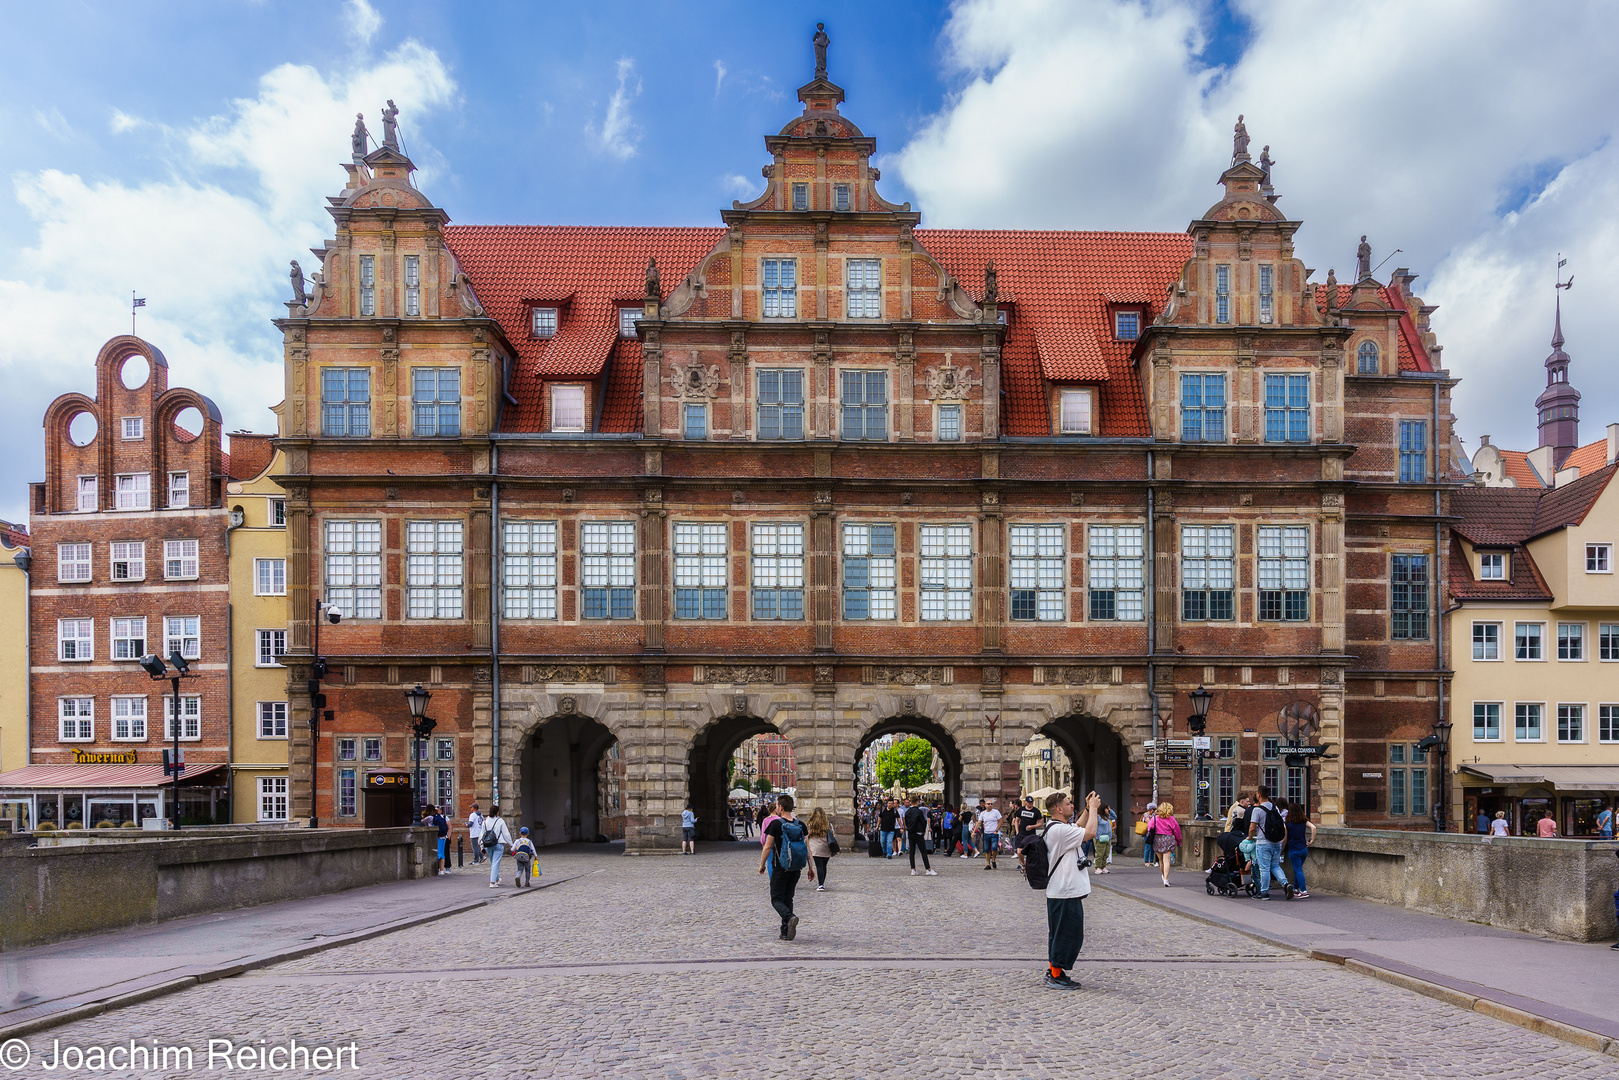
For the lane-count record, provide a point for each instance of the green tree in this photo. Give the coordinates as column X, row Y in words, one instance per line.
column 762, row 786
column 908, row 763
column 730, row 771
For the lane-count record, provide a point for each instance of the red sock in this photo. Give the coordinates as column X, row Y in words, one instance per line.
column 1056, row 972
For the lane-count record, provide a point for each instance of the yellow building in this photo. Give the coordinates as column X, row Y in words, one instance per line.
column 13, row 649
column 1045, row 765
column 1536, row 653
column 258, row 607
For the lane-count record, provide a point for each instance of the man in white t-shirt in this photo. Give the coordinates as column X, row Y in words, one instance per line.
column 991, row 818
column 475, row 833
column 1067, row 886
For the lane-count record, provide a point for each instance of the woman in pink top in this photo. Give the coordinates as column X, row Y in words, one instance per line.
column 1546, row 828
column 1165, row 837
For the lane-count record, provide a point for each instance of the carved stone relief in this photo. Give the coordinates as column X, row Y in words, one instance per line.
column 739, row 674
column 950, row 383
column 695, row 381
column 909, row 676
column 570, row 673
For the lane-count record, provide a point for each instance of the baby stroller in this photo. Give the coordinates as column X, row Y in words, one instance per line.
column 1225, row 877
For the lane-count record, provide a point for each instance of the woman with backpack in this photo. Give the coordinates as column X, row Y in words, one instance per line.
column 1165, row 834
column 820, row 843
column 496, row 839
column 786, row 851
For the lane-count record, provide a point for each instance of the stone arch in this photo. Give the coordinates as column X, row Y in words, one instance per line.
column 568, row 733
column 1101, row 760
column 710, row 748
column 909, row 720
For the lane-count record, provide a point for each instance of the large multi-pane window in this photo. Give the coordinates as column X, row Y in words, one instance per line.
column 75, row 717
column 129, row 719
column 779, row 283
column 87, row 495
column 1486, row 721
column 1202, row 408
column 179, row 490
column 778, row 571
column 1227, row 778
column 180, row 559
column 190, row 717
column 946, row 577
column 865, row 406
column 840, row 196
column 1486, row 641
column 269, row 647
column 528, row 569
column 1413, row 451
column 800, row 196
column 607, row 571
column 183, row 634
column 413, row 284
column 348, row 803
column 865, row 288
column 1208, row 572
column 1408, row 597
column 354, row 568
column 345, row 403
column 1287, row 408
column 1571, row 723
column 1038, row 572
column 1267, row 294
column 1608, row 723
column 1222, row 293
column 272, row 719
column 1284, row 572
column 1117, row 559
column 700, row 576
column 368, row 284
column 75, row 639
column 433, row 554
column 435, row 401
column 868, row 572
column 128, row 560
column 949, row 423
column 132, row 492
column 1608, row 641
column 1528, row 641
column 272, row 798
column 1366, row 359
column 129, row 638
column 73, row 562
column 781, row 403
column 1528, row 722
column 269, row 577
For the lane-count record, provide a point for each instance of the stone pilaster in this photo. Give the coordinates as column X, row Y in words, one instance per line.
column 653, row 588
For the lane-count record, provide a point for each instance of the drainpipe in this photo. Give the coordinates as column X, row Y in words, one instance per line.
column 1439, row 548
column 1152, row 616
column 24, row 559
column 494, row 618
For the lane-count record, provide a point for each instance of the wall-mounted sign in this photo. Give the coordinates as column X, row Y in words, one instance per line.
column 387, row 780
column 1371, row 776
column 103, row 757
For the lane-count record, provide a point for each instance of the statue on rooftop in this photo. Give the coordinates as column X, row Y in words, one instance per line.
column 821, row 41
column 360, row 135
column 1265, row 164
column 653, row 281
column 390, row 125
column 1363, row 260
column 1239, row 141
column 299, row 296
column 990, row 289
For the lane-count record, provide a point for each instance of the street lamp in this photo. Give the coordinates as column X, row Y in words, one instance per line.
column 1439, row 742
column 317, row 702
column 153, row 664
column 1198, row 723
column 421, row 727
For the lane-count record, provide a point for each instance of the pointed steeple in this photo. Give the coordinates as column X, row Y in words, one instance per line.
column 1559, row 403
column 1557, row 327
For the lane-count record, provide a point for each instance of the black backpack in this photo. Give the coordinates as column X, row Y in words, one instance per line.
column 1036, row 863
column 1275, row 827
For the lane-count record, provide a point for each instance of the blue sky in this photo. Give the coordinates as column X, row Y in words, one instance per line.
column 183, row 150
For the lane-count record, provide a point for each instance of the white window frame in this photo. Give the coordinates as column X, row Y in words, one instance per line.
column 1208, row 571
column 542, row 323
column 1283, row 560
column 1267, row 293
column 74, row 558
column 863, row 288
column 688, row 411
column 76, row 719
column 413, row 285
column 353, row 567
column 776, row 299
column 135, row 494
column 133, row 428
column 1075, row 414
column 75, row 640
column 88, row 495
column 567, row 408
column 863, row 409
column 608, row 551
column 1608, row 724
column 528, row 572
column 269, row 577
column 627, row 318
column 183, row 633
column 181, row 561
column 1599, row 558
column 702, row 560
column 127, row 718
column 1123, row 577
column 880, row 591
column 777, row 557
column 130, row 556
column 942, row 431
column 1522, row 642
column 190, row 717
column 784, row 410
column 277, row 514
column 179, row 490
column 1038, row 572
column 841, row 198
column 272, row 719
column 1486, row 642
column 435, row 558
column 272, row 798
column 1492, row 566
column 435, row 402
column 1521, row 730
column 269, row 646
column 1570, row 640
column 368, row 286
column 1582, row 713
column 1485, row 727
column 945, row 573
column 1608, row 643
column 125, row 645
column 1119, row 330
column 1222, row 293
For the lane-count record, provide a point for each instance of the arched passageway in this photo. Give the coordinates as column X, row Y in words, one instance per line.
column 561, row 796
column 1097, row 757
column 922, row 727
column 707, row 776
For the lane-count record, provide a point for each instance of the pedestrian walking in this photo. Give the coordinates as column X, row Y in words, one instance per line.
column 688, row 831
column 1483, row 823
column 1024, row 822
column 1300, row 835
column 950, row 827
column 968, row 851
column 526, row 858
column 497, row 839
column 1605, row 823
column 1106, row 823
column 916, row 827
column 785, row 847
column 1165, row 838
column 1067, row 885
column 1546, row 828
column 475, row 834
column 990, row 823
column 820, row 841
column 1498, row 827
column 887, row 822
column 1268, row 830
column 1144, row 829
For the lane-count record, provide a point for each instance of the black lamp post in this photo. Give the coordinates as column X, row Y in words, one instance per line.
column 421, row 726
column 1439, row 743
column 317, row 702
column 1198, row 723
column 153, row 664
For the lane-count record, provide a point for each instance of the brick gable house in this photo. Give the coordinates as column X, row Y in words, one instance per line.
column 822, row 472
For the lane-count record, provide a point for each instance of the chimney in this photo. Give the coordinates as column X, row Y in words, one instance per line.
column 1540, row 459
column 1613, row 443
column 1484, row 440
column 1566, row 476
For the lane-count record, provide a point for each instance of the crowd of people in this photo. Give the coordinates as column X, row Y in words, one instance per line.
column 1259, row 833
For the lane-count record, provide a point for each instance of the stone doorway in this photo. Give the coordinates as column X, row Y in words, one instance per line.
column 561, row 800
column 901, row 726
column 706, row 773
column 1097, row 758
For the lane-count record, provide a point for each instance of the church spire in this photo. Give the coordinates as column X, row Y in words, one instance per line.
column 1559, row 403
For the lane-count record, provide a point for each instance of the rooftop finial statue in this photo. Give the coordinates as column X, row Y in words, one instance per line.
column 1363, row 260
column 1265, row 164
column 653, row 281
column 1239, row 141
column 821, row 42
column 360, row 134
column 299, row 296
column 990, row 289
column 390, row 125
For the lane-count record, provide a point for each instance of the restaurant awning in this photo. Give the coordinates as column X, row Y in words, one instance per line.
column 114, row 777
column 1561, row 777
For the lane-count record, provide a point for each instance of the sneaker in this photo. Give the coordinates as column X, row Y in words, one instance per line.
column 1060, row 982
column 1305, row 895
column 1615, row 945
column 792, row 928
column 1264, row 896
column 933, row 873
column 820, row 888
column 1287, row 892
column 494, row 884
column 913, row 873
column 888, row 856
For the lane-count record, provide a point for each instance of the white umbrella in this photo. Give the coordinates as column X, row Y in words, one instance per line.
column 934, row 788
column 741, row 793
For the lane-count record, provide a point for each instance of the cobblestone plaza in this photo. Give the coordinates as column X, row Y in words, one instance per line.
column 671, row 968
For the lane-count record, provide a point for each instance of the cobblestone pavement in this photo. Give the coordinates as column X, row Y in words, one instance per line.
column 670, row 968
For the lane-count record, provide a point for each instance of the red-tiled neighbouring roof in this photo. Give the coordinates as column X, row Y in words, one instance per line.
column 589, row 271
column 1495, row 516
column 1413, row 357
column 14, row 536
column 1062, row 281
column 1515, row 464
column 1568, row 505
column 1523, row 583
column 1589, row 458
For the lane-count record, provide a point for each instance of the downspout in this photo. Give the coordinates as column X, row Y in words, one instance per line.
column 1439, row 548
column 1152, row 617
column 28, row 662
column 494, row 618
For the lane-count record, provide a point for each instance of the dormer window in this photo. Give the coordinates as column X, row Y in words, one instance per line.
column 840, row 196
column 627, row 318
column 1126, row 325
column 543, row 322
column 1492, row 567
column 134, row 428
column 567, row 408
column 1074, row 413
column 800, row 196
column 1366, row 359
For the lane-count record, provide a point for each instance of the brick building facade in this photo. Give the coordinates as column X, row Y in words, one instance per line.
column 822, row 472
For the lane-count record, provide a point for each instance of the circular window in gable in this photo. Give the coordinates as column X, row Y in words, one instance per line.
column 81, row 430
column 134, row 371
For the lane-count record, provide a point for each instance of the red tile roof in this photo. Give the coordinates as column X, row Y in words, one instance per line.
column 1590, row 457
column 1524, row 581
column 1515, row 464
column 1568, row 505
column 1506, row 519
column 1413, row 355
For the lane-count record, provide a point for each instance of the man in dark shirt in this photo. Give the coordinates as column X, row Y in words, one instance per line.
column 916, row 827
column 1023, row 825
column 431, row 816
column 783, row 883
column 887, row 822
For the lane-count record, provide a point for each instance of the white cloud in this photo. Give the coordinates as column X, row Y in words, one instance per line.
column 363, row 21
column 1420, row 124
column 208, row 245
column 54, row 122
column 719, row 77
column 619, row 134
column 741, row 186
column 122, row 122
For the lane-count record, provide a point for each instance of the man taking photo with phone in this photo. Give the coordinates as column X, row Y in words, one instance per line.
column 1068, row 884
